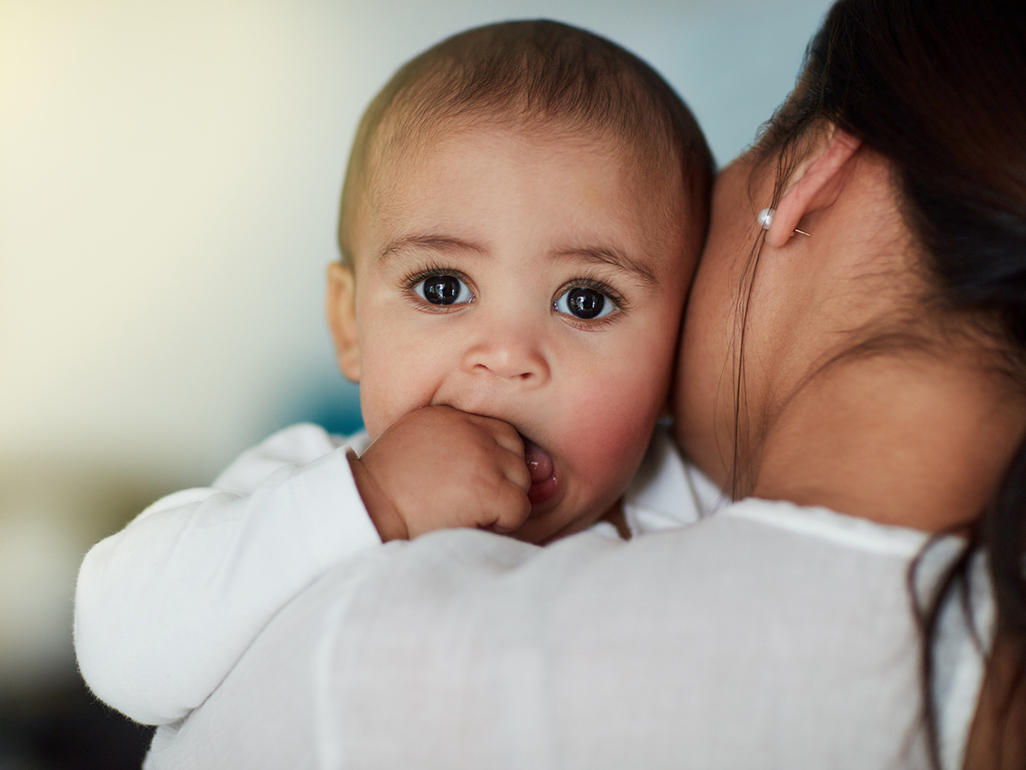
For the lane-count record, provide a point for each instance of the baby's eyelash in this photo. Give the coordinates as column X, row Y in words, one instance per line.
column 412, row 278
column 595, row 284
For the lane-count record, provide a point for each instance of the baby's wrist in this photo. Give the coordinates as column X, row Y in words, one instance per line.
column 383, row 513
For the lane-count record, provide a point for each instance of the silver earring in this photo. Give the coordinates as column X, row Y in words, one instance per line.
column 765, row 220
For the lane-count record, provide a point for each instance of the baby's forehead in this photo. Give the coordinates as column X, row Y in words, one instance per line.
column 648, row 168
column 416, row 187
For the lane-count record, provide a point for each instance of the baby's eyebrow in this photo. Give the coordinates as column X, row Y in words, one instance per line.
column 604, row 255
column 610, row 256
column 430, row 241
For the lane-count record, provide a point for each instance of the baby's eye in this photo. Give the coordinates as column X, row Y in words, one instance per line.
column 443, row 289
column 585, row 303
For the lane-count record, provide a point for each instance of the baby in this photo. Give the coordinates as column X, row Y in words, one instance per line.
column 521, row 216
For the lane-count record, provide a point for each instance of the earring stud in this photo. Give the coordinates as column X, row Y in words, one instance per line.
column 765, row 220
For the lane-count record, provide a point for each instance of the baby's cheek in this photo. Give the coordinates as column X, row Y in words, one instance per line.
column 612, row 436
column 383, row 400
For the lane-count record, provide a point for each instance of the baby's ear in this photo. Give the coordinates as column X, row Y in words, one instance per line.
column 340, row 308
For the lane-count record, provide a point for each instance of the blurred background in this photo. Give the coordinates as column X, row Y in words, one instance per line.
column 169, row 182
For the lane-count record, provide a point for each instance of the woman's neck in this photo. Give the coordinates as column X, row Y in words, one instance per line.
column 916, row 441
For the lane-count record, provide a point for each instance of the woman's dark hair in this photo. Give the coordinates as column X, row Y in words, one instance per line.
column 939, row 89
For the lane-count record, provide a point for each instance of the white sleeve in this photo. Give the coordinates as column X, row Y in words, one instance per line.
column 164, row 608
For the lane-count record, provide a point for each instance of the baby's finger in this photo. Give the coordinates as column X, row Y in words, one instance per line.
column 516, row 471
column 507, row 437
column 511, row 508
column 504, row 434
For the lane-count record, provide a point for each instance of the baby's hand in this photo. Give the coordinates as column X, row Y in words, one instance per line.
column 438, row 467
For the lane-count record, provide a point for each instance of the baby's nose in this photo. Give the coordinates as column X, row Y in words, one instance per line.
column 514, row 356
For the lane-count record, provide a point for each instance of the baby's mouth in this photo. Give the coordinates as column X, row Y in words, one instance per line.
column 544, row 482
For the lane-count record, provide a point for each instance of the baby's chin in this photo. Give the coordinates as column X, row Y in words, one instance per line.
column 554, row 525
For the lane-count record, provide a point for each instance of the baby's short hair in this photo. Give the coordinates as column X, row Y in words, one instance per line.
column 526, row 74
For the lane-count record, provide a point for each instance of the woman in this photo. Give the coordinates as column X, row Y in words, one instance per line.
column 853, row 371
column 891, row 386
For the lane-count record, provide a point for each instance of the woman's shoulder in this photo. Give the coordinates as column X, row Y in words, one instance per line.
column 816, row 523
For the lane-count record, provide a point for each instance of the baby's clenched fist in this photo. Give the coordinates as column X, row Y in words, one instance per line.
column 437, row 467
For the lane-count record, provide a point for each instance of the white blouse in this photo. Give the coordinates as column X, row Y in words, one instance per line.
column 765, row 636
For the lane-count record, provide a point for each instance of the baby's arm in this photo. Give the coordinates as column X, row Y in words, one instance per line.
column 165, row 607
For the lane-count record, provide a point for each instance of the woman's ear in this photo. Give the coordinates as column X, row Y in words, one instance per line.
column 340, row 308
column 816, row 185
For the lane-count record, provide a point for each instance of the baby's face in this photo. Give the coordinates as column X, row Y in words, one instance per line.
column 537, row 280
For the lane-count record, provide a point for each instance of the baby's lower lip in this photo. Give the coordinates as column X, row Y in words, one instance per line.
column 544, row 480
